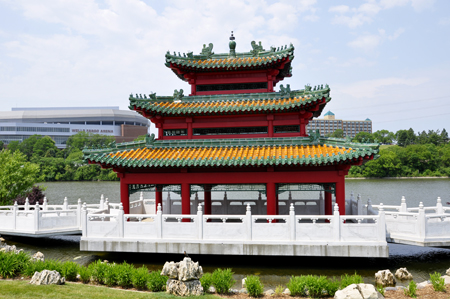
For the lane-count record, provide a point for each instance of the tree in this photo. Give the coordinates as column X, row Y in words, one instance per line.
column 444, row 136
column 384, row 136
column 406, row 137
column 364, row 137
column 17, row 176
column 27, row 145
column 13, row 146
column 44, row 145
column 82, row 139
column 339, row 133
column 2, row 145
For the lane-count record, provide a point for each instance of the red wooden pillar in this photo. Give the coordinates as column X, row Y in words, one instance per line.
column 186, row 200
column 189, row 127
column 158, row 197
column 340, row 194
column 124, row 194
column 328, row 202
column 270, row 124
column 271, row 199
column 207, row 201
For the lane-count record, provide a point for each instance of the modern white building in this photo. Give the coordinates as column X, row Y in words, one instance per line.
column 62, row 122
column 329, row 124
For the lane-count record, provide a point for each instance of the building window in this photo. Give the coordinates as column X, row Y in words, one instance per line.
column 286, row 129
column 234, row 86
column 178, row 132
column 231, row 131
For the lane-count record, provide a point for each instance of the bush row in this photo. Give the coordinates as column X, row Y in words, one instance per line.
column 123, row 275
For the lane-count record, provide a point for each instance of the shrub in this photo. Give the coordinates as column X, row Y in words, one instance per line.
column 332, row 286
column 70, row 270
column 315, row 285
column 380, row 290
column 279, row 291
column 206, row 281
column 411, row 290
column 297, row 285
column 254, row 287
column 34, row 195
column 85, row 274
column 139, row 278
column 223, row 280
column 124, row 273
column 110, row 275
column 8, row 265
column 98, row 269
column 156, row 281
column 438, row 282
column 36, row 266
column 347, row 280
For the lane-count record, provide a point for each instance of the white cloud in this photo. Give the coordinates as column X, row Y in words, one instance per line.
column 420, row 5
column 396, row 34
column 366, row 42
column 340, row 9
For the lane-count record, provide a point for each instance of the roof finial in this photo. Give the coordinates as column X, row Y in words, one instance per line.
column 232, row 46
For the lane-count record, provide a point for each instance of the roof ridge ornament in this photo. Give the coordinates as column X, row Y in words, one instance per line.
column 285, row 92
column 150, row 139
column 232, row 45
column 314, row 137
column 178, row 95
column 207, row 51
column 256, row 48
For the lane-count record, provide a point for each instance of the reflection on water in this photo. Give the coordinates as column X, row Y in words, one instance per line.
column 273, row 271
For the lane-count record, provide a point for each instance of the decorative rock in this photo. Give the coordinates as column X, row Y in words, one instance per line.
column 287, row 292
column 38, row 256
column 243, row 282
column 185, row 270
column 385, row 278
column 233, row 291
column 47, row 277
column 448, row 272
column 269, row 292
column 390, row 289
column 1, row 241
column 212, row 289
column 12, row 248
column 446, row 278
column 423, row 284
column 358, row 291
column 403, row 274
column 243, row 291
column 184, row 288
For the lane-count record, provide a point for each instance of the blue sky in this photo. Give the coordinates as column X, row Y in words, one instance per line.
column 387, row 60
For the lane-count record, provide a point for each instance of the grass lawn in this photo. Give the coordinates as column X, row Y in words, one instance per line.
column 22, row 289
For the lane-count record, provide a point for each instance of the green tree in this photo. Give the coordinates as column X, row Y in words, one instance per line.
column 2, row 145
column 364, row 137
column 339, row 133
column 43, row 146
column 17, row 176
column 82, row 139
column 405, row 137
column 13, row 146
column 27, row 145
column 444, row 136
column 384, row 136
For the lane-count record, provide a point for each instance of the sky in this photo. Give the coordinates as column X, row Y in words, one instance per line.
column 387, row 60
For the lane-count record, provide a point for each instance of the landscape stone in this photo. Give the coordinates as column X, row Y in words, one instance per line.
column 38, row 256
column 212, row 289
column 46, row 277
column 448, row 272
column 358, row 291
column 269, row 292
column 385, row 278
column 243, row 282
column 11, row 248
column 287, row 292
column 184, row 288
column 1, row 241
column 185, row 270
column 446, row 278
column 390, row 289
column 423, row 284
column 233, row 291
column 243, row 291
column 403, row 274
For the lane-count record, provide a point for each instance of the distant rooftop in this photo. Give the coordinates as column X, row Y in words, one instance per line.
column 329, row 113
column 62, row 108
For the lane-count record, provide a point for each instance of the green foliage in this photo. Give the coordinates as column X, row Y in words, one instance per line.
column 110, row 276
column 347, row 280
column 206, row 281
column 279, row 291
column 384, row 136
column 438, row 282
column 13, row 146
column 38, row 266
column 70, row 270
column 411, row 290
column 9, row 265
column 98, row 269
column 223, row 280
column 332, row 286
column 380, row 290
column 85, row 274
column 364, row 137
column 156, row 281
column 43, row 146
column 139, row 278
column 297, row 285
column 339, row 133
column 124, row 274
column 2, row 145
column 17, row 176
column 86, row 139
column 254, row 286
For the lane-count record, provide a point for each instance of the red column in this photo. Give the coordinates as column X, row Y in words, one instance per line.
column 328, row 203
column 303, row 127
column 270, row 124
column 186, row 200
column 158, row 197
column 189, row 127
column 124, row 195
column 340, row 194
column 271, row 199
column 207, row 202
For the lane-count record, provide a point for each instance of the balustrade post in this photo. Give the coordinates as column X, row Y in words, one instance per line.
column 79, row 213
column 159, row 222
column 359, row 205
column 403, row 207
column 108, row 211
column 249, row 222
column 121, row 221
column 381, row 224
column 421, row 222
column 321, row 204
column 292, row 222
column 200, row 222
column 439, row 208
column 84, row 220
column 102, row 202
column 168, row 204
column 37, row 213
column 369, row 207
column 16, row 210
column 225, row 203
column 27, row 204
column 336, row 223
column 44, row 206
column 65, row 204
column 352, row 200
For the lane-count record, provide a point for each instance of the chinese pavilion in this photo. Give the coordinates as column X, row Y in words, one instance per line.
column 233, row 129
